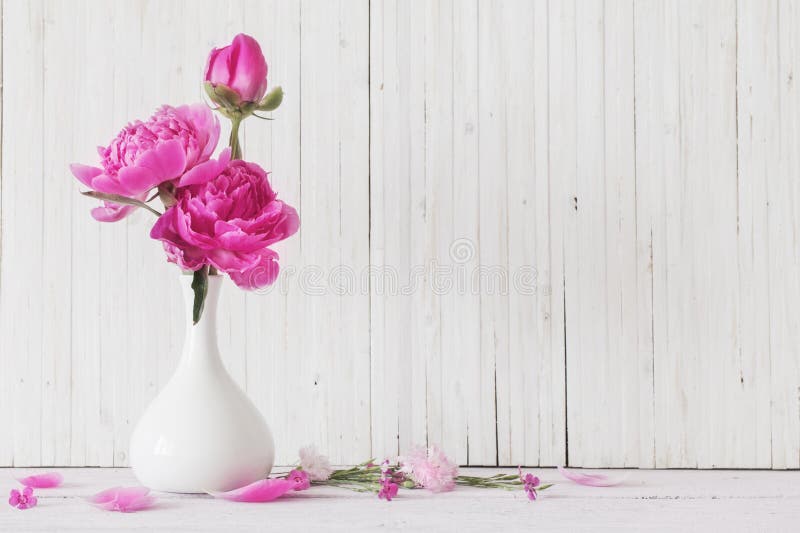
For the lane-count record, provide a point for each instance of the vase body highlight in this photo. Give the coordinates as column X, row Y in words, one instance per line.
column 201, row 433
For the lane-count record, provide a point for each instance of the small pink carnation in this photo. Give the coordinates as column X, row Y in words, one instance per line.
column 315, row 464
column 22, row 500
column 388, row 489
column 300, row 478
column 430, row 468
column 530, row 483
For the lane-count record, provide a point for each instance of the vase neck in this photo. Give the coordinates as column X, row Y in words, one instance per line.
column 200, row 342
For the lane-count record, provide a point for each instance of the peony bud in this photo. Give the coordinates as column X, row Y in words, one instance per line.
column 237, row 71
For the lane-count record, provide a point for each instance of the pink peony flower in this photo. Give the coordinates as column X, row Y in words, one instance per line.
column 300, row 479
column 146, row 154
column 22, row 500
column 315, row 464
column 430, row 468
column 240, row 67
column 226, row 215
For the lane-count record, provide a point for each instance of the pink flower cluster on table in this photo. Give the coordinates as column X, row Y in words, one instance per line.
column 25, row 499
column 427, row 468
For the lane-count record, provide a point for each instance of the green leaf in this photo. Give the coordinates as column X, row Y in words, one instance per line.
column 200, row 288
column 272, row 100
column 119, row 199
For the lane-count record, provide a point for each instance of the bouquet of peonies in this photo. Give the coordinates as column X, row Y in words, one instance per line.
column 220, row 215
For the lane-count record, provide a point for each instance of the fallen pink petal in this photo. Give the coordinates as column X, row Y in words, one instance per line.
column 123, row 499
column 263, row 490
column 589, row 479
column 42, row 481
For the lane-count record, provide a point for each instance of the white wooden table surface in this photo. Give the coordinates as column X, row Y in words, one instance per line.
column 649, row 500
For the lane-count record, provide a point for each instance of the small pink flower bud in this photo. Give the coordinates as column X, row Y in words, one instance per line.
column 239, row 67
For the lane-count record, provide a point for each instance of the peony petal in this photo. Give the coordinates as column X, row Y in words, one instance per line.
column 228, row 261
column 262, row 274
column 289, row 224
column 189, row 259
column 109, row 184
column 167, row 160
column 247, row 68
column 263, row 490
column 111, row 212
column 137, row 179
column 162, row 230
column 202, row 173
column 589, row 479
column 217, row 67
column 206, row 126
column 225, row 156
column 42, row 481
column 85, row 173
column 111, row 494
column 123, row 499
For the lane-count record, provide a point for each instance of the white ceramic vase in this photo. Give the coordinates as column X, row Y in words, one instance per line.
column 201, row 433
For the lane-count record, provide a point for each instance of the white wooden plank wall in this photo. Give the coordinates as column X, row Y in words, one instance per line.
column 619, row 179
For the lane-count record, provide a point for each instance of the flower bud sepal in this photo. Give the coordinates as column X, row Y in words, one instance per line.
column 272, row 100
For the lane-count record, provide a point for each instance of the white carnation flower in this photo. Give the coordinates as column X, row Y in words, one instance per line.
column 316, row 465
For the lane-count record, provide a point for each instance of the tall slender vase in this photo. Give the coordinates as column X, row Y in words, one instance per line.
column 201, row 433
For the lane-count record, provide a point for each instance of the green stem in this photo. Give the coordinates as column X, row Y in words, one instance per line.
column 354, row 486
column 236, row 148
column 119, row 199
